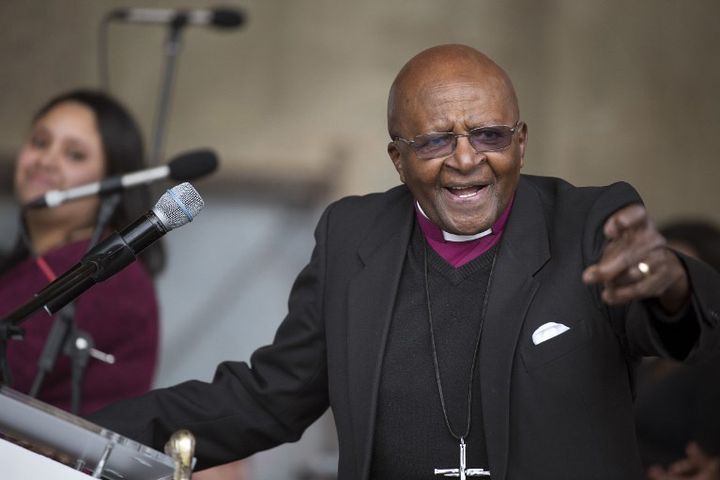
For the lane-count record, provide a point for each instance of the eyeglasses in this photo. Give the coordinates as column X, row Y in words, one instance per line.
column 482, row 139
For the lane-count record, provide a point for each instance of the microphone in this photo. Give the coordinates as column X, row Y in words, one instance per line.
column 186, row 166
column 226, row 18
column 176, row 207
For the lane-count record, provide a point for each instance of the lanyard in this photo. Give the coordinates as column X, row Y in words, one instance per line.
column 45, row 268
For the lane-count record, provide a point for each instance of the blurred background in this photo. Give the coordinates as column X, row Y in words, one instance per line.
column 294, row 104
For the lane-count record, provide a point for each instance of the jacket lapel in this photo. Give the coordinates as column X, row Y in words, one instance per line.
column 371, row 298
column 524, row 250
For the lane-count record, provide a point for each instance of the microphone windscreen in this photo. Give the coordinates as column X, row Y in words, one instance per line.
column 194, row 164
column 227, row 18
column 178, row 206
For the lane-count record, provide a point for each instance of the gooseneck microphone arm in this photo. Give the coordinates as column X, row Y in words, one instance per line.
column 176, row 20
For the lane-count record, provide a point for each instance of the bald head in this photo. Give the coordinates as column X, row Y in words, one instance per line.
column 438, row 67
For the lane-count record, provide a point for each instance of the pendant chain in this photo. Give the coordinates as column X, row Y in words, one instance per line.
column 475, row 352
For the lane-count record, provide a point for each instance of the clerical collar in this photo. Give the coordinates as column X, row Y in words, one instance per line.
column 451, row 237
column 458, row 250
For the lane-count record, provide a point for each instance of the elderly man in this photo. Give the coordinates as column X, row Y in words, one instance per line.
column 473, row 322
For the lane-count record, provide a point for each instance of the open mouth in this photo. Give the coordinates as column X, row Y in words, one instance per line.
column 466, row 191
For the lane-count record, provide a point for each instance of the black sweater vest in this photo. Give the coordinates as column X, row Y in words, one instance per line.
column 411, row 437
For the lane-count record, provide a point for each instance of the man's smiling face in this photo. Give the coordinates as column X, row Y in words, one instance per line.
column 464, row 192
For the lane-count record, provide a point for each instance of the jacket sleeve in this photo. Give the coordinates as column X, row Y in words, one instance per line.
column 638, row 325
column 702, row 310
column 247, row 407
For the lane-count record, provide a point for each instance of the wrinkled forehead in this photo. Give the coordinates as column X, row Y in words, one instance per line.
column 441, row 102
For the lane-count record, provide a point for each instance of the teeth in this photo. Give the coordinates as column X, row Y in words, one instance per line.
column 466, row 191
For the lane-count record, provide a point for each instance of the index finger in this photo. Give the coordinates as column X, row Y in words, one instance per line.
column 616, row 259
column 624, row 219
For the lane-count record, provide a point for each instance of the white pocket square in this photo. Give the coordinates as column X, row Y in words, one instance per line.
column 547, row 331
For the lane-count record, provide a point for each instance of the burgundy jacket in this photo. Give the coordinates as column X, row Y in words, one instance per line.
column 120, row 315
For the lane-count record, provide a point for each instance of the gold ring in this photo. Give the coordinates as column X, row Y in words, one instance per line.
column 644, row 268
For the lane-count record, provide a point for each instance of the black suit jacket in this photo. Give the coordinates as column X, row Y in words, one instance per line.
column 558, row 410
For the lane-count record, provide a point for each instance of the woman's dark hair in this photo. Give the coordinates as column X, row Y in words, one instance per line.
column 124, row 152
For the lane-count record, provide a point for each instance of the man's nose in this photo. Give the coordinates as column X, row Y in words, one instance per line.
column 465, row 158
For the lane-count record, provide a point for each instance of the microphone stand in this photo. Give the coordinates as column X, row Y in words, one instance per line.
column 172, row 47
column 52, row 298
column 7, row 332
column 79, row 350
column 58, row 293
column 64, row 333
column 57, row 337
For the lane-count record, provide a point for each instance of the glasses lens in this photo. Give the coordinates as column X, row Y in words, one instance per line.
column 488, row 139
column 434, row 145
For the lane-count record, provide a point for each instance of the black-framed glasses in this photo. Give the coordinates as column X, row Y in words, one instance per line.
column 442, row 144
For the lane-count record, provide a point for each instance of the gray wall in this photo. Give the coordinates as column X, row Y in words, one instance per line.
column 610, row 89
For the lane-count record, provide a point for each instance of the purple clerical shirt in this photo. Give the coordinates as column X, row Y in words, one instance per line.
column 458, row 253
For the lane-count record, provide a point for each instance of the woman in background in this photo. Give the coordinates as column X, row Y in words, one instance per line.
column 77, row 138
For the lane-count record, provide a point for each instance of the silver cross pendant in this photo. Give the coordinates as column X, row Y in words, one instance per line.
column 462, row 472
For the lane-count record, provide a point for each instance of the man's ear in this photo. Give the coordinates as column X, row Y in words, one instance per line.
column 522, row 142
column 396, row 158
